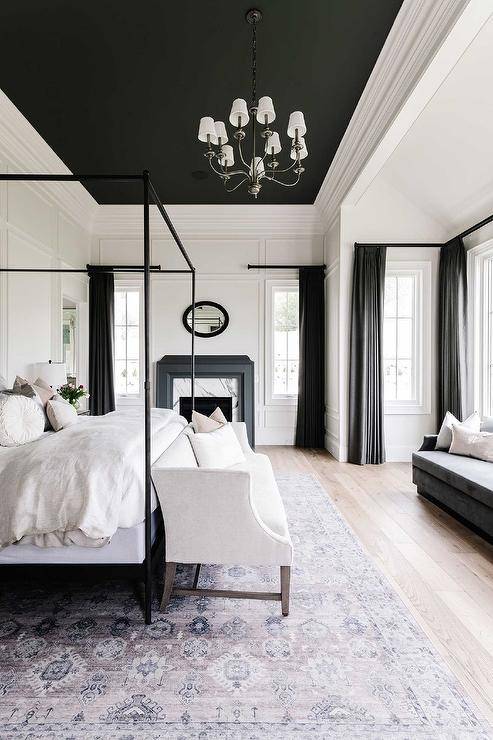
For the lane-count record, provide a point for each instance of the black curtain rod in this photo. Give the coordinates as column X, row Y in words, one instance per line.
column 401, row 245
column 462, row 235
column 282, row 267
column 471, row 229
column 94, row 268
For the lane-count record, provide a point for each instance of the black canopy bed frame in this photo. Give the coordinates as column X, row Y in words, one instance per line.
column 142, row 571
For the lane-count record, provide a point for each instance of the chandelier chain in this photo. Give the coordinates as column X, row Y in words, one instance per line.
column 254, row 62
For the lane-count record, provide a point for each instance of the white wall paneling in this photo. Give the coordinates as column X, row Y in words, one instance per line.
column 221, row 257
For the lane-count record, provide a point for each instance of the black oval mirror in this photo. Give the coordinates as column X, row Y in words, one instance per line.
column 211, row 319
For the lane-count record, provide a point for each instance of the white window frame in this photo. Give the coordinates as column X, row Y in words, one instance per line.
column 478, row 326
column 421, row 350
column 271, row 286
column 127, row 399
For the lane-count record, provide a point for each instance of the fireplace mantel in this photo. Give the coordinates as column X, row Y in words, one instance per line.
column 239, row 368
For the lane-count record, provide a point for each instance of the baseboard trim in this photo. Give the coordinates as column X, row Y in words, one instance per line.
column 266, row 436
column 400, row 453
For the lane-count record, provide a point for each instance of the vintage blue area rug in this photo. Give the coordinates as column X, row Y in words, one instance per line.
column 349, row 662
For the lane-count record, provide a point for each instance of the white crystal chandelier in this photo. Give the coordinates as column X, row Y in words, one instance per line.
column 261, row 168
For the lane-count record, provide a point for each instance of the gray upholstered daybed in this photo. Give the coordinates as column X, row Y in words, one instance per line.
column 461, row 485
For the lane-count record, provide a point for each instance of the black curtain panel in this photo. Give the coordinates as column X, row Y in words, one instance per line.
column 310, row 423
column 101, row 341
column 452, row 330
column 366, row 414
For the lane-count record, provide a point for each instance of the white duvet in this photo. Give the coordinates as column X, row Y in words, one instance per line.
column 79, row 485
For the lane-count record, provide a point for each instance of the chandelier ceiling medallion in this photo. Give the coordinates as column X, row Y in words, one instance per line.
column 261, row 168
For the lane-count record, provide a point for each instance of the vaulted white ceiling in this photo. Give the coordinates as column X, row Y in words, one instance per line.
column 444, row 164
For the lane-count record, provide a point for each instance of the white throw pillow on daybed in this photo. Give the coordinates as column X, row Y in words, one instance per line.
column 61, row 414
column 217, row 449
column 21, row 420
column 203, row 423
column 444, row 439
column 472, row 444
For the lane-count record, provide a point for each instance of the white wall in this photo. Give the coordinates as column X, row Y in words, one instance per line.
column 382, row 214
column 220, row 249
column 37, row 231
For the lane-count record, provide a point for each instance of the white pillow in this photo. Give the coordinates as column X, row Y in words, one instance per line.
column 3, row 384
column 21, row 420
column 61, row 414
column 217, row 449
column 203, row 423
column 487, row 425
column 444, row 439
column 472, row 444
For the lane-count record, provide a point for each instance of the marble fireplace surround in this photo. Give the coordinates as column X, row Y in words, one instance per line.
column 215, row 375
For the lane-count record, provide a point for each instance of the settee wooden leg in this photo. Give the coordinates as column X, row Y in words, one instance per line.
column 285, row 581
column 169, row 579
column 197, row 576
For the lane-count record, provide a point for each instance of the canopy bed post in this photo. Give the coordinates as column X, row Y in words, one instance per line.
column 147, row 406
column 141, row 568
column 192, row 357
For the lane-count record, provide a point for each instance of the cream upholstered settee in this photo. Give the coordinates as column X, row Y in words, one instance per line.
column 228, row 516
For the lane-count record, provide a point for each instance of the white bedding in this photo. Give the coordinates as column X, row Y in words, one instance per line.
column 79, row 485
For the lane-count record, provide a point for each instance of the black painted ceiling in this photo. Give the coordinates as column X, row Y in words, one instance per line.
column 120, row 86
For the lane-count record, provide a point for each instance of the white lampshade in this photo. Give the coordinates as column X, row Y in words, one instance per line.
column 239, row 111
column 53, row 373
column 273, row 142
column 265, row 108
column 206, row 126
column 303, row 151
column 258, row 167
column 296, row 121
column 221, row 132
column 227, row 159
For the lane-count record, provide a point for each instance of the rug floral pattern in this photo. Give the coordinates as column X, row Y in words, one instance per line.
column 349, row 662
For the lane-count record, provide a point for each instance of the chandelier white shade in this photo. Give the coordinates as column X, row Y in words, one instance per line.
column 296, row 124
column 273, row 144
column 228, row 158
column 239, row 113
column 260, row 114
column 265, row 113
column 207, row 130
column 302, row 153
column 221, row 133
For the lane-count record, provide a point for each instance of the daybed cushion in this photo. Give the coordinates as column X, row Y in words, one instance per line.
column 217, row 449
column 21, row 420
column 265, row 493
column 472, row 444
column 444, row 439
column 473, row 477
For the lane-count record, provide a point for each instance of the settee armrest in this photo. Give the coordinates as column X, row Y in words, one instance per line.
column 429, row 443
column 209, row 517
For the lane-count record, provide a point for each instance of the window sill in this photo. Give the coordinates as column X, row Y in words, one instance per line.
column 403, row 410
column 282, row 401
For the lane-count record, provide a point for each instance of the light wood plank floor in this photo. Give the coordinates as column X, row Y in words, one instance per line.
column 442, row 571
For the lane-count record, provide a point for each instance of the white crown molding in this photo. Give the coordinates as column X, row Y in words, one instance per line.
column 27, row 151
column 209, row 221
column 420, row 28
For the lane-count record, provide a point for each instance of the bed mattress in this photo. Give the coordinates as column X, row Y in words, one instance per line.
column 127, row 547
